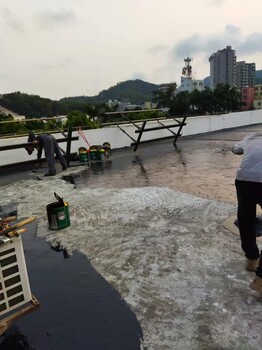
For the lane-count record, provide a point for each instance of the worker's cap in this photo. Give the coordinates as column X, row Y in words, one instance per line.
column 31, row 136
column 29, row 149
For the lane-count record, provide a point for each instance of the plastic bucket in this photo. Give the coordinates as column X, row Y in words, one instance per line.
column 58, row 215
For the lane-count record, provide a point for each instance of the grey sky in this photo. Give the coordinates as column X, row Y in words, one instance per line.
column 64, row 48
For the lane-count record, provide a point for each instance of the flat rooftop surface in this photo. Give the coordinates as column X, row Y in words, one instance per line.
column 149, row 225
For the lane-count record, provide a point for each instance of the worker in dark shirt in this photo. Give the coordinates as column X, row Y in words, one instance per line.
column 51, row 148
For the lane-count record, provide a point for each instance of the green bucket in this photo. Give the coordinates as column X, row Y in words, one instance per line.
column 93, row 152
column 58, row 214
column 83, row 155
column 97, row 153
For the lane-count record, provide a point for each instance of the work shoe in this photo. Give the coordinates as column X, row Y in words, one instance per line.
column 256, row 284
column 251, row 265
column 50, row 174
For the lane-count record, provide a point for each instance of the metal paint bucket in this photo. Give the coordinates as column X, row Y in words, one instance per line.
column 83, row 155
column 58, row 214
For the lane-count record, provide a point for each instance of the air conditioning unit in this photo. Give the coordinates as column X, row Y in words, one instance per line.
column 14, row 284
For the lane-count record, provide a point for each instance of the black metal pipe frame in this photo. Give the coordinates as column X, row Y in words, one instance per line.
column 179, row 130
column 159, row 128
column 155, row 139
column 140, row 135
column 68, row 145
column 179, row 125
column 67, row 139
column 23, row 145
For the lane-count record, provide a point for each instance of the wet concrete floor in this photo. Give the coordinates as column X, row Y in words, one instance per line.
column 203, row 166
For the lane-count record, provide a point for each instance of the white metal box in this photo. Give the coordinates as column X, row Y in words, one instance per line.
column 14, row 284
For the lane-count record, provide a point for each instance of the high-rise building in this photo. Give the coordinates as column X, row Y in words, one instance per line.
column 245, row 74
column 251, row 74
column 223, row 67
column 241, row 74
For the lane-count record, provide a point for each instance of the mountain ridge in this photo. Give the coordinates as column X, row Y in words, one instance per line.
column 135, row 91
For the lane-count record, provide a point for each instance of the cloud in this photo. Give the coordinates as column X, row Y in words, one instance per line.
column 233, row 30
column 64, row 63
column 232, row 36
column 215, row 2
column 138, row 75
column 51, row 19
column 157, row 49
column 4, row 75
column 12, row 20
column 251, row 44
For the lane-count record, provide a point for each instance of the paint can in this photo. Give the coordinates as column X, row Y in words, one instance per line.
column 107, row 148
column 83, row 155
column 58, row 214
column 97, row 152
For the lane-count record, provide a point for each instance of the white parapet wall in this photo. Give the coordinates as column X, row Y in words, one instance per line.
column 118, row 139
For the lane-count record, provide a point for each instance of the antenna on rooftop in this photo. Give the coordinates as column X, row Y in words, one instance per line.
column 187, row 69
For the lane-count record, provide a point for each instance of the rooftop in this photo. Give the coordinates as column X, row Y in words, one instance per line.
column 150, row 225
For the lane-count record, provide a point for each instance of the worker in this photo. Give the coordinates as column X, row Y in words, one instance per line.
column 51, row 148
column 249, row 194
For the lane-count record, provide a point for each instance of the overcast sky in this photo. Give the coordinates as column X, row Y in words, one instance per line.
column 59, row 48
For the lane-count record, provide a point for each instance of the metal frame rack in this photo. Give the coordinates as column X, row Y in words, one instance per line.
column 141, row 129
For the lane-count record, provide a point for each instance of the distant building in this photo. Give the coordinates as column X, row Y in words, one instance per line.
column 188, row 83
column 149, row 105
column 223, row 67
column 111, row 103
column 164, row 87
column 245, row 74
column 251, row 74
column 258, row 97
column 247, row 98
column 126, row 105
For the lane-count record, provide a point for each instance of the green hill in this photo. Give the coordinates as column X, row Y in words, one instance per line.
column 34, row 106
column 136, row 91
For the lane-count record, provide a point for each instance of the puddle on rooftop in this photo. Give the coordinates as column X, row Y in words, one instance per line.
column 79, row 309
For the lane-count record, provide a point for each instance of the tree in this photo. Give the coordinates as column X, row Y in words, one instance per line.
column 10, row 128
column 180, row 104
column 227, row 98
column 202, row 102
column 78, row 118
column 164, row 98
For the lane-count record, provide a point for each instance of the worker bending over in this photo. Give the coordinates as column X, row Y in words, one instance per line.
column 51, row 148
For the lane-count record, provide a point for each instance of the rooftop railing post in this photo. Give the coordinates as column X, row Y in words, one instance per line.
column 68, row 145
